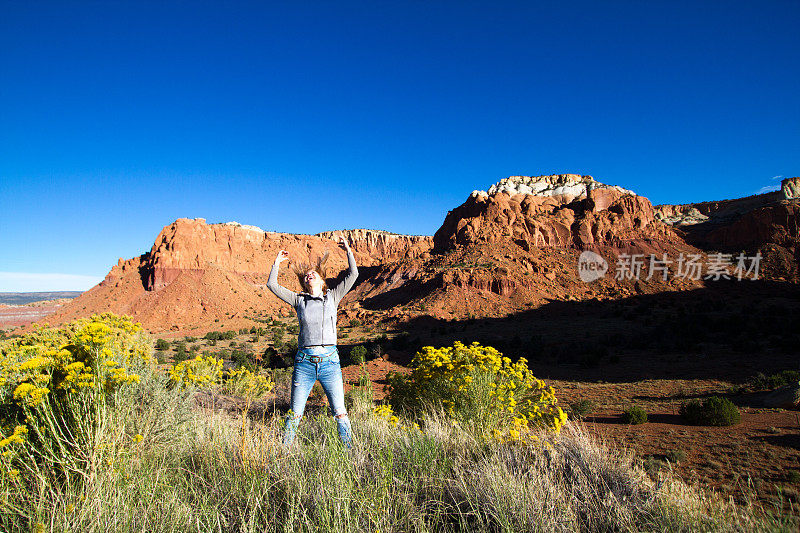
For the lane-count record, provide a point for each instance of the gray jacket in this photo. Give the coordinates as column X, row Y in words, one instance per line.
column 316, row 314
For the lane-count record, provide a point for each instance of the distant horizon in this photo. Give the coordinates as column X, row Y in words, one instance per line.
column 119, row 118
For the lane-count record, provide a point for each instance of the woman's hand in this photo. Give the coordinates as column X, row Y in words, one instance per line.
column 343, row 243
column 283, row 255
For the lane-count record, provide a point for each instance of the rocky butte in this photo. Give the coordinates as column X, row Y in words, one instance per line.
column 566, row 210
column 197, row 274
column 192, row 247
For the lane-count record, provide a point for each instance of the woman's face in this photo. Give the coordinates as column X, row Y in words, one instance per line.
column 312, row 279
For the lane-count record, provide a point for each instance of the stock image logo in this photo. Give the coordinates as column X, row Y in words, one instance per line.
column 591, row 266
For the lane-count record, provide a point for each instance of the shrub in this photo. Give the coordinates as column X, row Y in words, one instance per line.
column 162, row 345
column 578, row 410
column 272, row 359
column 358, row 354
column 289, row 349
column 58, row 387
column 480, row 388
column 375, row 350
column 243, row 382
column 195, row 372
column 243, row 359
column 354, row 322
column 676, row 456
column 785, row 377
column 634, row 415
column 180, row 354
column 714, row 411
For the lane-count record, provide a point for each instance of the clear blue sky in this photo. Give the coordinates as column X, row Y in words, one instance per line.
column 117, row 117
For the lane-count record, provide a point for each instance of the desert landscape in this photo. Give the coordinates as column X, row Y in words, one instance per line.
column 535, row 266
column 503, row 270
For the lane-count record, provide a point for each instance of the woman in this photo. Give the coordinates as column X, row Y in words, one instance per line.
column 317, row 357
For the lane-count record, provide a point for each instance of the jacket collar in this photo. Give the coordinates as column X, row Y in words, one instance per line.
column 309, row 295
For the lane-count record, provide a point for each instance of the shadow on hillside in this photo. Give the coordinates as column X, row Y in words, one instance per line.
column 728, row 330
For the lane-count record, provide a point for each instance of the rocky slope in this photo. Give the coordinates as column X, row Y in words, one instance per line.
column 766, row 223
column 517, row 246
column 213, row 276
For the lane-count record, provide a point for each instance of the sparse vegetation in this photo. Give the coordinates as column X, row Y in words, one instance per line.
column 220, row 335
column 676, row 456
column 773, row 381
column 713, row 411
column 580, row 409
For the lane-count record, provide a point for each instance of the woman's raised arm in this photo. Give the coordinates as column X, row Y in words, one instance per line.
column 349, row 280
column 290, row 297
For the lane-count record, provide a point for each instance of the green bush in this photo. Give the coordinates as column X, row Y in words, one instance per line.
column 243, row 359
column 180, row 352
column 634, row 415
column 162, row 345
column 358, row 354
column 714, row 411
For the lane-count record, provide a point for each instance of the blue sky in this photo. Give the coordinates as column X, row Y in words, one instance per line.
column 117, row 117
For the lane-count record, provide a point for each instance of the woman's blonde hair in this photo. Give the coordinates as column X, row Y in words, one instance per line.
column 300, row 270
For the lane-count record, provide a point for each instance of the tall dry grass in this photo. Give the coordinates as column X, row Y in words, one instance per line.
column 203, row 471
column 159, row 463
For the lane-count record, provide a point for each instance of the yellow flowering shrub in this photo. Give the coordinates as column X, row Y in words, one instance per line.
column 202, row 370
column 480, row 388
column 56, row 382
column 242, row 382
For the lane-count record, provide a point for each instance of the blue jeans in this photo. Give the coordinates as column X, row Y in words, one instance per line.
column 329, row 373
